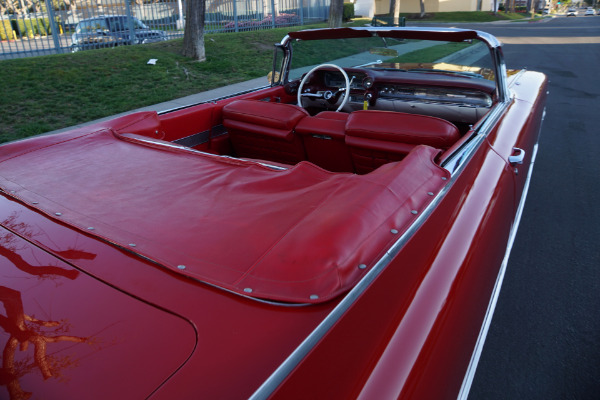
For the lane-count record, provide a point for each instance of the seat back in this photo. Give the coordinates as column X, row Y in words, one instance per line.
column 324, row 140
column 265, row 130
column 375, row 138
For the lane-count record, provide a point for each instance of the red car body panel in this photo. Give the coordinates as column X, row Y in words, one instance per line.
column 86, row 315
column 235, row 345
column 61, row 324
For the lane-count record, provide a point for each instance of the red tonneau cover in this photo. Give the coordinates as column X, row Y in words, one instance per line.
column 295, row 235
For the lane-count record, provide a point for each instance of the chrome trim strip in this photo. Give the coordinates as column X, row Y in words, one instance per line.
column 501, row 80
column 172, row 145
column 487, row 321
column 455, row 162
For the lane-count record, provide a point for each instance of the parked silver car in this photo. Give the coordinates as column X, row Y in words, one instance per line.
column 112, row 30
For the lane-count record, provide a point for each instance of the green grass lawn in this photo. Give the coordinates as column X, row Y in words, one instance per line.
column 40, row 94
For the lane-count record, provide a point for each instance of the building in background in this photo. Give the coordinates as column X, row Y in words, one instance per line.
column 370, row 8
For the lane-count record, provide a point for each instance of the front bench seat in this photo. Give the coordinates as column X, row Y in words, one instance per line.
column 375, row 137
column 265, row 130
column 325, row 141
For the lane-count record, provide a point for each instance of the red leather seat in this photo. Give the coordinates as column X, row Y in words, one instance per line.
column 324, row 141
column 375, row 138
column 265, row 130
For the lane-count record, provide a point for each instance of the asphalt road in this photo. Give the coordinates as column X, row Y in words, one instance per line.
column 544, row 341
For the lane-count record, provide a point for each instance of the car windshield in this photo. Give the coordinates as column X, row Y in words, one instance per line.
column 92, row 25
column 466, row 59
column 112, row 24
column 121, row 23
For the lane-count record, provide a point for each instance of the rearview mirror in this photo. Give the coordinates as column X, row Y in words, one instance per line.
column 383, row 51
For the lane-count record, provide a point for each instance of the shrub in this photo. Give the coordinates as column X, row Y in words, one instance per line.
column 45, row 22
column 40, row 28
column 6, row 30
column 24, row 27
column 27, row 27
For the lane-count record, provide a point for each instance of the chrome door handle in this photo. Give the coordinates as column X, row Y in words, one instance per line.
column 517, row 157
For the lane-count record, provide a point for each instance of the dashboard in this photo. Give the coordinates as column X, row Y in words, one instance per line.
column 457, row 99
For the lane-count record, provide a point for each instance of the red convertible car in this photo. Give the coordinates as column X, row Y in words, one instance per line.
column 340, row 233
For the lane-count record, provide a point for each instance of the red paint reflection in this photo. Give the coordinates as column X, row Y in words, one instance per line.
column 24, row 330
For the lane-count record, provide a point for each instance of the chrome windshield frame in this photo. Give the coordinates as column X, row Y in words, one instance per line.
column 494, row 45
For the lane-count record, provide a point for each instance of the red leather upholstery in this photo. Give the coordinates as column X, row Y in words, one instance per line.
column 401, row 127
column 333, row 115
column 265, row 130
column 332, row 128
column 324, row 141
column 379, row 137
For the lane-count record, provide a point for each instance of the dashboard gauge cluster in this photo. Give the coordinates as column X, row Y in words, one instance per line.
column 336, row 80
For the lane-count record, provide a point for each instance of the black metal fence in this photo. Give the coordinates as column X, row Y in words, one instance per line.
column 38, row 27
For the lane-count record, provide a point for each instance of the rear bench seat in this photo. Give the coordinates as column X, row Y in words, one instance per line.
column 375, row 138
column 265, row 130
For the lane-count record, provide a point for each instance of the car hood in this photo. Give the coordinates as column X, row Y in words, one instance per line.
column 66, row 333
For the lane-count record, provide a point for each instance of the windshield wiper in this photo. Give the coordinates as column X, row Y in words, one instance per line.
column 369, row 63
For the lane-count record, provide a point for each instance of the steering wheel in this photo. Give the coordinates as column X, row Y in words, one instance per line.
column 328, row 94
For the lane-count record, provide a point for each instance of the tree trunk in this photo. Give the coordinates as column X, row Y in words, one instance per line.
column 193, row 35
column 532, row 8
column 336, row 13
column 395, row 11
